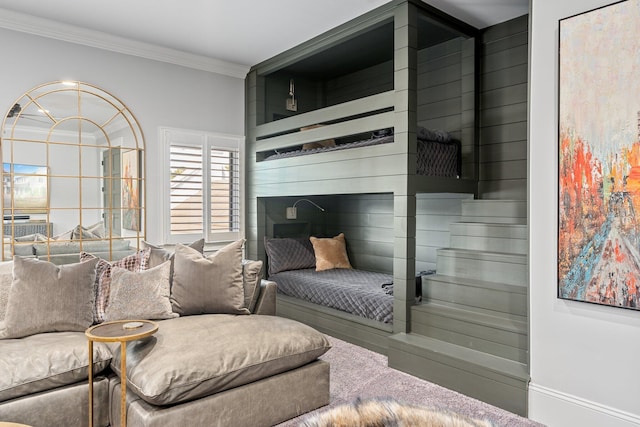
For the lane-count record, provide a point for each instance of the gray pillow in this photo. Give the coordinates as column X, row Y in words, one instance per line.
column 6, row 277
column 140, row 295
column 48, row 298
column 289, row 254
column 251, row 277
column 210, row 284
column 159, row 254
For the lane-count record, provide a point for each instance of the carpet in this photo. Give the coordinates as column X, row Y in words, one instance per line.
column 357, row 373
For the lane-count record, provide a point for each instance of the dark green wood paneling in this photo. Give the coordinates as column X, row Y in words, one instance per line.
column 357, row 330
column 504, row 109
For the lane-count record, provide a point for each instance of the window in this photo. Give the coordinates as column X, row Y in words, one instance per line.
column 204, row 187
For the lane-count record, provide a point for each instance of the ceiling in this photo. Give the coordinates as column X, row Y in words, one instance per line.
column 237, row 32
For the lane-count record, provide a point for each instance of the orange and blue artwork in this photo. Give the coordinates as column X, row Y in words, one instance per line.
column 599, row 156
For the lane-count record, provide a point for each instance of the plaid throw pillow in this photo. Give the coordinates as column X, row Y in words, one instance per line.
column 135, row 262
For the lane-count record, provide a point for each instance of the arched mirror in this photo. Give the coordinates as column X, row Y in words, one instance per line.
column 73, row 175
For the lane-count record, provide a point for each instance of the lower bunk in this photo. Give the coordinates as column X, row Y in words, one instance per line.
column 348, row 327
column 317, row 285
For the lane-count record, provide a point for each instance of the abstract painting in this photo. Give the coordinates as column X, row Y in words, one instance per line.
column 130, row 191
column 599, row 156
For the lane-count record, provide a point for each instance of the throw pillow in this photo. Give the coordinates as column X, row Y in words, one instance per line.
column 330, row 252
column 102, row 285
column 45, row 297
column 211, row 284
column 159, row 254
column 141, row 295
column 6, row 273
column 289, row 254
column 94, row 231
column 251, row 278
column 35, row 237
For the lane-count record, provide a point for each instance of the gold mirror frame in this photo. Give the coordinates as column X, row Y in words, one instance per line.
column 63, row 139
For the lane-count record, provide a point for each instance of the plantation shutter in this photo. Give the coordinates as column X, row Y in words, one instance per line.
column 205, row 188
column 186, row 195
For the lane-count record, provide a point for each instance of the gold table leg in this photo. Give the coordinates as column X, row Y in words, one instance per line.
column 123, row 384
column 90, row 367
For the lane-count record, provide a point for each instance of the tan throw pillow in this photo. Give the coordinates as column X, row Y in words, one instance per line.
column 141, row 295
column 102, row 286
column 251, row 278
column 212, row 284
column 317, row 144
column 48, row 298
column 330, row 252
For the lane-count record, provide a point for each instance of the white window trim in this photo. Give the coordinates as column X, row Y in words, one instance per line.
column 196, row 138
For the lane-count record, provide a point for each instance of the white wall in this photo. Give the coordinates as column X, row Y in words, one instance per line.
column 584, row 358
column 157, row 93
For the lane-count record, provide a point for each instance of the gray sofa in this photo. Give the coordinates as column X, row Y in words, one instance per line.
column 197, row 370
column 67, row 252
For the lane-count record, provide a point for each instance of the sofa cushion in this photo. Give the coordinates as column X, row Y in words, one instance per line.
column 208, row 285
column 102, row 286
column 53, row 247
column 49, row 298
column 195, row 356
column 45, row 361
column 251, row 278
column 141, row 295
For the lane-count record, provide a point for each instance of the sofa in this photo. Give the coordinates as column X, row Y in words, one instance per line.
column 219, row 358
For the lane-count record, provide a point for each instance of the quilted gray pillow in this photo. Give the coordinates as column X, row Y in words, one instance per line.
column 289, row 254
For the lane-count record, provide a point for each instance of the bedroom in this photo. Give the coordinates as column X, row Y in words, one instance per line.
column 215, row 102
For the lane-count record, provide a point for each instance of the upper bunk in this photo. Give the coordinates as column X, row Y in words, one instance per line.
column 384, row 103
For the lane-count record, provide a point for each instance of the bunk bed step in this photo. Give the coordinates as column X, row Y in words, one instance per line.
column 502, row 336
column 495, row 380
column 499, row 267
column 510, row 238
column 495, row 211
column 490, row 298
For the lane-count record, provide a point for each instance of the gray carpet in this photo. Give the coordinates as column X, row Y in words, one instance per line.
column 360, row 373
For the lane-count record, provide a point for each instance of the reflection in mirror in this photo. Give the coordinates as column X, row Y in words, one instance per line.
column 73, row 175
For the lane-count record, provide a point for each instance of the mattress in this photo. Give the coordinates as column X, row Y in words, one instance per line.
column 338, row 147
column 353, row 291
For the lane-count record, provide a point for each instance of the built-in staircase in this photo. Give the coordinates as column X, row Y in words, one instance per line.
column 470, row 333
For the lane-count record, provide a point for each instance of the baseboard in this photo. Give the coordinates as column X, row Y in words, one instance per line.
column 555, row 408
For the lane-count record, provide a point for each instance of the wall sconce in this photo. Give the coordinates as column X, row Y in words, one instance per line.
column 292, row 212
column 292, row 105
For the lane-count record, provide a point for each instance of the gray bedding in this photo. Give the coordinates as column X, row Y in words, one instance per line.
column 356, row 144
column 439, row 156
column 353, row 291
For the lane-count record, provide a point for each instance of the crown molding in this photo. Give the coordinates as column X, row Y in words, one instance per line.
column 69, row 33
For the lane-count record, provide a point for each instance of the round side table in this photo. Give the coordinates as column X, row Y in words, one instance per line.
column 120, row 331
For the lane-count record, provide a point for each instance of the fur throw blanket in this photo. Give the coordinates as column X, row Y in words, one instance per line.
column 389, row 413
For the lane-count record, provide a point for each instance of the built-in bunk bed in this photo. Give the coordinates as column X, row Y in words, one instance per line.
column 382, row 105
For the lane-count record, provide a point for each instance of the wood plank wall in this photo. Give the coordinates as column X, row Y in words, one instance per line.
column 503, row 110
column 446, row 98
column 367, row 222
